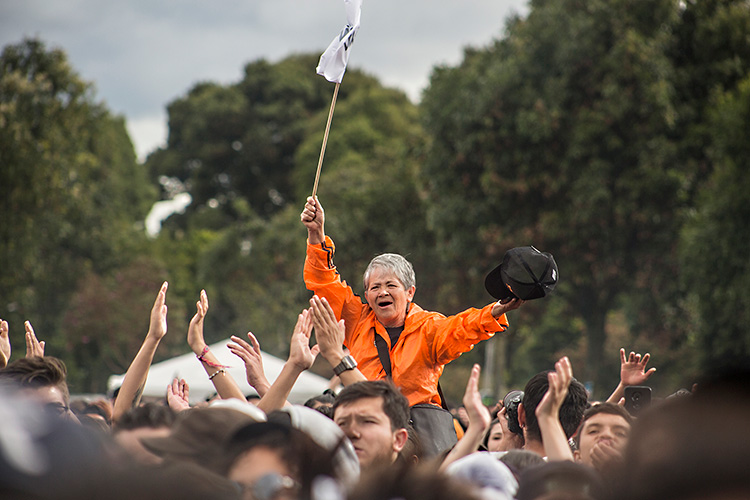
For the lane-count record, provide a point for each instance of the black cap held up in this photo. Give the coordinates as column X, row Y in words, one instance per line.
column 525, row 273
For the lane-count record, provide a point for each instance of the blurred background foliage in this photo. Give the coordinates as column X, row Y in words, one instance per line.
column 613, row 134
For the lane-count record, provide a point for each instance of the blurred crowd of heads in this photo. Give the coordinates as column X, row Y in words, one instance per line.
column 693, row 445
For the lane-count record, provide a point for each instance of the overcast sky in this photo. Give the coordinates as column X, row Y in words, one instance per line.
column 142, row 54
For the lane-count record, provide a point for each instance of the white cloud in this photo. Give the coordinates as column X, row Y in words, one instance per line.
column 147, row 134
column 141, row 54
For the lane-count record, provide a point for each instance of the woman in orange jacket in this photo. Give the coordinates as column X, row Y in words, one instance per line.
column 420, row 343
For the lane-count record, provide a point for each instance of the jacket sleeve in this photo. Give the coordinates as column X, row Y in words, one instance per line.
column 457, row 334
column 322, row 278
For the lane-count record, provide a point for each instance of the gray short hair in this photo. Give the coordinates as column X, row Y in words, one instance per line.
column 395, row 263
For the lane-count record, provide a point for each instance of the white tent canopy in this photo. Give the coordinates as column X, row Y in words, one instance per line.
column 189, row 368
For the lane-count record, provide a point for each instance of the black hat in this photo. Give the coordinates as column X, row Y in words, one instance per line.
column 525, row 273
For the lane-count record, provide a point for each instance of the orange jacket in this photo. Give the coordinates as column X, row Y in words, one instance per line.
column 429, row 341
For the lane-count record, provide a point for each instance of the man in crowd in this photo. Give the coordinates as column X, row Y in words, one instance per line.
column 603, row 436
column 42, row 379
column 374, row 415
column 571, row 410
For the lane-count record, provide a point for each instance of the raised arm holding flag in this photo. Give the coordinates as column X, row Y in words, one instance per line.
column 332, row 66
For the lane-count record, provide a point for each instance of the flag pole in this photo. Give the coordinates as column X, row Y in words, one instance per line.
column 325, row 138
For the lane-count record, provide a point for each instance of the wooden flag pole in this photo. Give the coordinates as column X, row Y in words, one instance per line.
column 325, row 139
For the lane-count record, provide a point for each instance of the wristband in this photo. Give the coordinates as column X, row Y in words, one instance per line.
column 209, row 363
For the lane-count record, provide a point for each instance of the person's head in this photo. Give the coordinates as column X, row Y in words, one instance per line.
column 374, row 415
column 412, row 453
column 322, row 403
column 150, row 420
column 198, row 435
column 411, row 483
column 499, row 437
column 483, row 472
column 275, row 460
column 518, row 460
column 389, row 284
column 560, row 480
column 43, row 379
column 605, row 424
column 98, row 409
column 571, row 411
column 43, row 456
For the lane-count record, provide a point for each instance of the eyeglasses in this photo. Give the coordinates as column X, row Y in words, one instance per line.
column 56, row 409
column 270, row 486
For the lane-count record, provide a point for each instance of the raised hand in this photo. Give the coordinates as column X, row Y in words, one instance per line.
column 330, row 335
column 195, row 330
column 135, row 378
column 157, row 327
column 559, row 382
column 225, row 385
column 479, row 421
column 548, row 411
column 479, row 415
column 633, row 368
column 4, row 344
column 328, row 332
column 632, row 372
column 33, row 346
column 250, row 354
column 313, row 218
column 300, row 352
column 178, row 395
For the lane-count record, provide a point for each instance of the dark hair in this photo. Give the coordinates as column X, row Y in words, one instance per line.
column 518, row 460
column 571, row 411
column 609, row 408
column 153, row 415
column 410, row 483
column 569, row 480
column 36, row 372
column 273, row 435
column 322, row 403
column 97, row 425
column 101, row 407
column 486, row 440
column 395, row 405
column 305, row 458
column 413, row 452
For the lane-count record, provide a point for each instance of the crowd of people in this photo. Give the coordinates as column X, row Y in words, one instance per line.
column 388, row 432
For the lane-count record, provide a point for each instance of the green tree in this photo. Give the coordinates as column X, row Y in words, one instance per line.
column 240, row 140
column 247, row 253
column 71, row 191
column 107, row 319
column 716, row 240
column 560, row 129
column 710, row 52
column 370, row 182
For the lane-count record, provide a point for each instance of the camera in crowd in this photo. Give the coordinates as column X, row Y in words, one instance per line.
column 511, row 402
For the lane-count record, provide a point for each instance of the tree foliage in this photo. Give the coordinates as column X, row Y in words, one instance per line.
column 567, row 129
column 247, row 154
column 565, row 141
column 71, row 190
column 240, row 140
column 611, row 133
column 716, row 239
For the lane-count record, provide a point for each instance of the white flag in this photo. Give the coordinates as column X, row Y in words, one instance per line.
column 332, row 64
